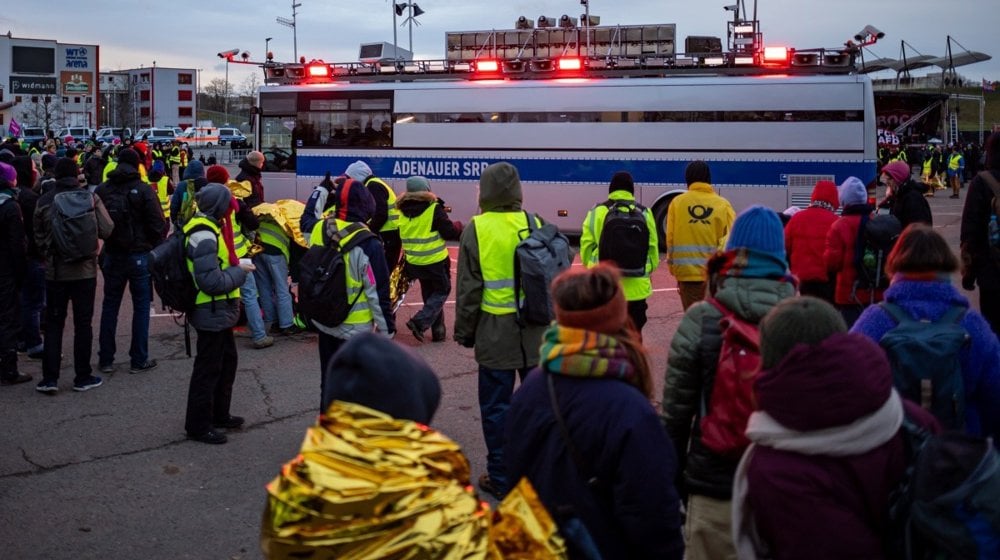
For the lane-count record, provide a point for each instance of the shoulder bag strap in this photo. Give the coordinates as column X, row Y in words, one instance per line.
column 574, row 453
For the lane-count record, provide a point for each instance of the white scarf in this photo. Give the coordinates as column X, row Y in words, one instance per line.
column 860, row 436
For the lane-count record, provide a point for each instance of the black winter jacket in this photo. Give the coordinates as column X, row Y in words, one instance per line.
column 909, row 204
column 977, row 263
column 12, row 241
column 146, row 214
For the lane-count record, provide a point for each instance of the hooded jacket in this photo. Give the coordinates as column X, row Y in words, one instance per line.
column 195, row 172
column 979, row 264
column 691, row 366
column 980, row 359
column 211, row 276
column 143, row 206
column 805, row 243
column 696, row 222
column 250, row 172
column 910, row 206
column 55, row 269
column 841, row 244
column 500, row 343
column 13, row 246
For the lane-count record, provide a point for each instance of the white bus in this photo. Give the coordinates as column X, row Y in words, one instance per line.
column 768, row 134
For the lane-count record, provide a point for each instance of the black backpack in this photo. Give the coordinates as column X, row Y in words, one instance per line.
column 538, row 258
column 73, row 219
column 120, row 204
column 168, row 269
column 876, row 241
column 625, row 237
column 323, row 278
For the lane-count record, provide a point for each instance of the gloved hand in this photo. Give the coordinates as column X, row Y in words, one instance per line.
column 465, row 342
column 968, row 282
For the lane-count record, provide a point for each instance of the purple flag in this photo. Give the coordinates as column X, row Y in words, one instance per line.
column 14, row 128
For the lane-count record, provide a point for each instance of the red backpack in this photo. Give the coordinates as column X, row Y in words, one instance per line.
column 724, row 419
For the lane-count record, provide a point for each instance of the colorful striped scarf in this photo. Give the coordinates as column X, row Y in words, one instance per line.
column 582, row 353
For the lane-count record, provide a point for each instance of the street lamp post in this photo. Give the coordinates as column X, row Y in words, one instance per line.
column 228, row 55
column 411, row 18
column 291, row 23
column 267, row 47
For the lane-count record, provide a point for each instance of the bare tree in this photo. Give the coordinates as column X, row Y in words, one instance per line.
column 216, row 92
column 43, row 110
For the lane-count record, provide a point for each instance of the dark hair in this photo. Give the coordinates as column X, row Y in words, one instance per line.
column 697, row 172
column 921, row 249
column 993, row 152
column 595, row 288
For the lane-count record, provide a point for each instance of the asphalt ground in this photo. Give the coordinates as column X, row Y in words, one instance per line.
column 109, row 473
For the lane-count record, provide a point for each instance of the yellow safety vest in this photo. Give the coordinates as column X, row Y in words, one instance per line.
column 240, row 241
column 954, row 162
column 635, row 287
column 392, row 223
column 174, row 158
column 498, row 234
column 360, row 314
column 273, row 235
column 161, row 193
column 108, row 168
column 223, row 253
column 421, row 244
column 184, row 158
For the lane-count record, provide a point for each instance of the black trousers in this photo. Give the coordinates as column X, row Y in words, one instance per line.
column 328, row 346
column 393, row 247
column 211, row 390
column 10, row 324
column 989, row 307
column 637, row 311
column 58, row 295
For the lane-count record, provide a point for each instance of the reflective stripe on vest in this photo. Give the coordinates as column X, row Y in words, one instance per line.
column 271, row 234
column 421, row 244
column 392, row 222
column 360, row 314
column 498, row 234
column 223, row 253
column 161, row 192
column 240, row 242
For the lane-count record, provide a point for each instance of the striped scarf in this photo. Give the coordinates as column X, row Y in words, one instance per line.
column 582, row 353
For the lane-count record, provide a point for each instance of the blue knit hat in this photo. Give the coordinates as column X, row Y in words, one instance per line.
column 758, row 228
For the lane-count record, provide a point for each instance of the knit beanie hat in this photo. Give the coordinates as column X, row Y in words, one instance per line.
column 129, row 156
column 758, row 228
column 158, row 167
column 8, row 176
column 798, row 320
column 66, row 167
column 376, row 372
column 898, row 170
column 608, row 317
column 826, row 191
column 697, row 172
column 216, row 174
column 194, row 170
column 852, row 191
column 418, row 184
column 622, row 181
column 359, row 171
column 48, row 161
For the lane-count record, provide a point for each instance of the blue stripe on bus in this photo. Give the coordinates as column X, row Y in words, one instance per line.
column 768, row 172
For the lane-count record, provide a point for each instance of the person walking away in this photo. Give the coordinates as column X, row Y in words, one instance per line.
column 93, row 168
column 139, row 226
column 250, row 168
column 13, row 263
column 367, row 277
column 956, row 170
column 174, row 161
column 590, row 397
column 805, row 241
column 68, row 223
column 163, row 187
column 218, row 275
column 33, row 286
column 631, row 243
column 385, row 220
column 842, row 251
column 981, row 248
column 921, row 266
column 828, row 449
column 697, row 222
column 423, row 229
column 745, row 282
column 908, row 202
column 182, row 202
column 271, row 277
column 485, row 309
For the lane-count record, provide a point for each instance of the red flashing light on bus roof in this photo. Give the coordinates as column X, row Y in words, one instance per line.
column 487, row 66
column 777, row 55
column 318, row 70
column 570, row 63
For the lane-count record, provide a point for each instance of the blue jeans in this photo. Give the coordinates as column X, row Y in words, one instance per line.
column 495, row 389
column 272, row 280
column 251, row 305
column 120, row 269
column 32, row 304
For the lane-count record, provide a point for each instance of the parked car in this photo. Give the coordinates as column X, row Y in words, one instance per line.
column 278, row 159
column 232, row 137
column 79, row 133
column 32, row 134
column 108, row 134
column 154, row 135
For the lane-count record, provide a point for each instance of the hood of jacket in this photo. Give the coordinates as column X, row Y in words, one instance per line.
column 249, row 168
column 833, row 383
column 213, row 200
column 124, row 173
column 500, row 188
column 413, row 204
column 65, row 184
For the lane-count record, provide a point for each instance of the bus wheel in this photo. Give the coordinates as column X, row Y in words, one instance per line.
column 660, row 217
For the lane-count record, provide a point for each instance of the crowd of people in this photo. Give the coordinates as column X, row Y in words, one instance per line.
column 784, row 399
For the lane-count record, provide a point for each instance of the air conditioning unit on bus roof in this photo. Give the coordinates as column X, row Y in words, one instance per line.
column 371, row 53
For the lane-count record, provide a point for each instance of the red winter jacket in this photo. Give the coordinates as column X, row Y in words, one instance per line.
column 841, row 241
column 805, row 243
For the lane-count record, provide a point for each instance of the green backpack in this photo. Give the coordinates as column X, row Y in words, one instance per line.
column 188, row 204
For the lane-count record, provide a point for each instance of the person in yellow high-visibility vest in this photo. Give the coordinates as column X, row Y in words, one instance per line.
column 423, row 229
column 163, row 186
column 956, row 169
column 174, row 161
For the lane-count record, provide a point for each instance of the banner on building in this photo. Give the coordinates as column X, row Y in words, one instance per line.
column 76, row 83
column 33, row 86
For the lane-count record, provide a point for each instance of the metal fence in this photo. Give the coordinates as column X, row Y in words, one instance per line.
column 222, row 155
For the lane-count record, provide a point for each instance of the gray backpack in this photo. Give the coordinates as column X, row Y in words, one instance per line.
column 73, row 221
column 538, row 258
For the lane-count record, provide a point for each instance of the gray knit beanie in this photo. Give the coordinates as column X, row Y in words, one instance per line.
column 799, row 320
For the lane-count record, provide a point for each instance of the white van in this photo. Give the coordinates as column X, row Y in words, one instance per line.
column 108, row 134
column 79, row 133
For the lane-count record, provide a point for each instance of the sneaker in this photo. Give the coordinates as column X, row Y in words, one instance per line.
column 953, row 196
column 87, row 384
column 438, row 334
column 231, row 423
column 290, row 331
column 50, row 386
column 241, row 332
column 486, row 485
column 150, row 364
column 15, row 378
column 106, row 368
column 210, row 436
column 263, row 342
column 418, row 333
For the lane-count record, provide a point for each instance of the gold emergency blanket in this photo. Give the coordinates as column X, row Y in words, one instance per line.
column 369, row 486
column 285, row 213
column 240, row 189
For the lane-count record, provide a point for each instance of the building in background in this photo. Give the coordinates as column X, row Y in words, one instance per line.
column 149, row 97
